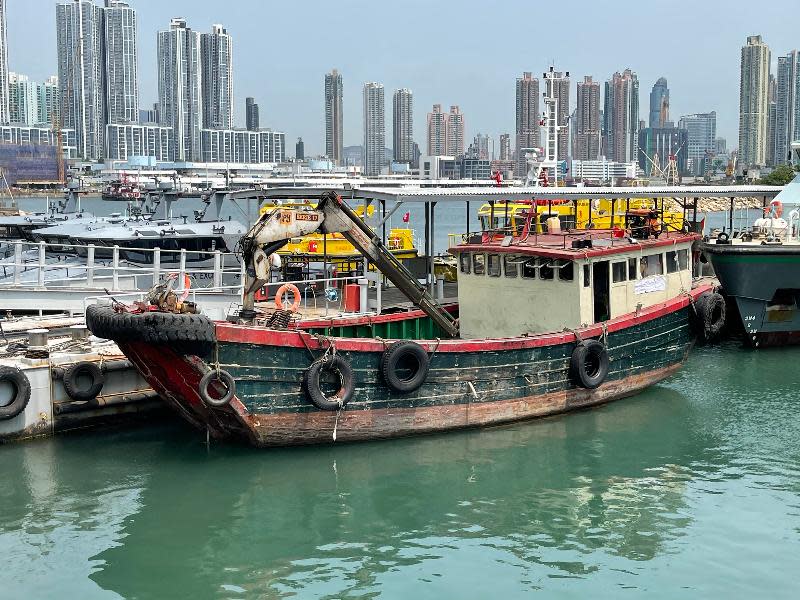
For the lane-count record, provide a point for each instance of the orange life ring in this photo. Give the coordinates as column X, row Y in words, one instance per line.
column 187, row 284
column 282, row 290
column 776, row 207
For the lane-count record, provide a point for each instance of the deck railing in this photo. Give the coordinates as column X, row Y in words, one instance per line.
column 41, row 265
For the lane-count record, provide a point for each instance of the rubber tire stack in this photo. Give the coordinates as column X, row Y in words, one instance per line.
column 190, row 333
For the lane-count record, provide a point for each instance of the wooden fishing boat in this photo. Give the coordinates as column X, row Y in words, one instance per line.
column 544, row 324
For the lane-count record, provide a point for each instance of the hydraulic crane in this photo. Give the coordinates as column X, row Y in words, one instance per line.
column 274, row 229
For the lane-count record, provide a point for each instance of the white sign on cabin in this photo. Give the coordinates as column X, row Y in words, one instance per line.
column 654, row 283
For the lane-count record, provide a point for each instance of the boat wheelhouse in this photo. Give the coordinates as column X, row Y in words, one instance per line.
column 552, row 282
column 544, row 325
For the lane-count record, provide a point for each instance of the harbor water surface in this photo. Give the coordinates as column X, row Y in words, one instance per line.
column 691, row 489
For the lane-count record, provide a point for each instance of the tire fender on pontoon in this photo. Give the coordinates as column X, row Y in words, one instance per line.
column 22, row 392
column 74, row 386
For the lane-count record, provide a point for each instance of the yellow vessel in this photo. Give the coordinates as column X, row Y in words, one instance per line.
column 314, row 247
column 578, row 214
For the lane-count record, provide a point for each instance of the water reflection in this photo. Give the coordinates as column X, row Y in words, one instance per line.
column 643, row 492
column 344, row 520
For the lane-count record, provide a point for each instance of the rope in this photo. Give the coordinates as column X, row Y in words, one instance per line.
column 574, row 332
column 438, row 341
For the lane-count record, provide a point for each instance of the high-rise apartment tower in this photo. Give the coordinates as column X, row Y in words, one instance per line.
column 528, row 118
column 216, row 59
column 333, row 116
column 754, row 102
column 374, row 128
column 179, row 87
column 403, row 126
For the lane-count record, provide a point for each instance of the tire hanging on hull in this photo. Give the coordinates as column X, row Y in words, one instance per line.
column 313, row 380
column 404, row 366
column 709, row 315
column 589, row 364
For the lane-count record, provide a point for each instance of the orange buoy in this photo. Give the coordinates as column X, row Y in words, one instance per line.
column 287, row 287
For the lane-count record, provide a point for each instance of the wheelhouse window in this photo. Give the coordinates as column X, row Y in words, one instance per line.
column 479, row 264
column 510, row 266
column 566, row 271
column 652, row 264
column 619, row 271
column 677, row 260
column 529, row 268
column 632, row 269
column 493, row 265
column 587, row 276
column 464, row 260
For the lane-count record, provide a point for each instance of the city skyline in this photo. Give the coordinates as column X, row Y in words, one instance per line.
column 292, row 92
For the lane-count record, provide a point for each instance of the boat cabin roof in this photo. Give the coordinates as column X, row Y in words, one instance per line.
column 569, row 245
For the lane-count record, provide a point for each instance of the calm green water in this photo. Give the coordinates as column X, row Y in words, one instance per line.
column 689, row 490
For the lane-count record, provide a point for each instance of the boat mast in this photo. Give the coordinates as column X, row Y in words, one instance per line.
column 543, row 162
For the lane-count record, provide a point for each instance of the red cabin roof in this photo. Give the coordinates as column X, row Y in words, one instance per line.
column 560, row 245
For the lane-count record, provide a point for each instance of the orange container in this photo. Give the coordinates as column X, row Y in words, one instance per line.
column 352, row 297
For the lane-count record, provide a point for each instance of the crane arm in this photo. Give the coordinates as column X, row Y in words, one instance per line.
column 332, row 215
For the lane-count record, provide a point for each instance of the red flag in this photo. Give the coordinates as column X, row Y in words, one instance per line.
column 406, row 217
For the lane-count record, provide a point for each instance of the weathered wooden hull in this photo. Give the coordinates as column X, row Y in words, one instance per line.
column 471, row 383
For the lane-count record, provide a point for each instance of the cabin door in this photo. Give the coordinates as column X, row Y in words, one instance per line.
column 601, row 291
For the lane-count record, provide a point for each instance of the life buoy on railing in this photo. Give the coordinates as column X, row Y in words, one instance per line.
column 312, row 383
column 76, row 375
column 22, row 392
column 187, row 284
column 589, row 364
column 774, row 208
column 221, row 379
column 287, row 287
column 404, row 366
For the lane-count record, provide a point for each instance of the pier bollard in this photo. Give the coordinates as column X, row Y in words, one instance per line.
column 37, row 344
column 79, row 332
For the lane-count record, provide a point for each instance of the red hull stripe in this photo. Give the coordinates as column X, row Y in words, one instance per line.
column 243, row 334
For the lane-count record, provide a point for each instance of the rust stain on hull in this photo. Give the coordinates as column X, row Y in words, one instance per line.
column 287, row 429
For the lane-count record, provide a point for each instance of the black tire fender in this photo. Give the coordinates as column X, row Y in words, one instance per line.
column 404, row 366
column 221, row 378
column 22, row 392
column 312, row 383
column 83, row 369
column 589, row 364
column 710, row 313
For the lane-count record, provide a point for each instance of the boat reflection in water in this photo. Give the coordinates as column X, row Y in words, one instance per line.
column 563, row 497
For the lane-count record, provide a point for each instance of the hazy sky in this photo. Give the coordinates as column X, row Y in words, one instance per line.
column 462, row 52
